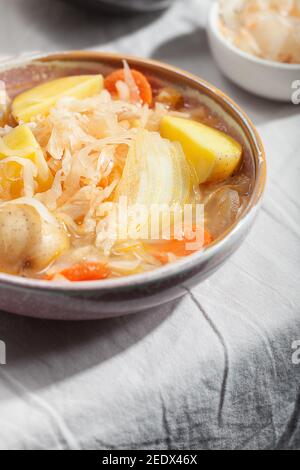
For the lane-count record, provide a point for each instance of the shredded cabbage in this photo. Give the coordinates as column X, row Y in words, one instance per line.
column 269, row 29
column 97, row 150
column 4, row 101
column 29, row 173
column 156, row 172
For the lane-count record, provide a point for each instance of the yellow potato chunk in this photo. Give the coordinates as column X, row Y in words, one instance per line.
column 21, row 143
column 214, row 154
column 40, row 99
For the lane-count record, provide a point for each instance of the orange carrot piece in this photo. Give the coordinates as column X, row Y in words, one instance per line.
column 104, row 182
column 161, row 257
column 177, row 247
column 84, row 272
column 141, row 81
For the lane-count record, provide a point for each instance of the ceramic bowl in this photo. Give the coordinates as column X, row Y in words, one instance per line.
column 124, row 6
column 267, row 79
column 102, row 299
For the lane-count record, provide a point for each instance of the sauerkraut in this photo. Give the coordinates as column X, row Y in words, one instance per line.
column 269, row 29
column 92, row 152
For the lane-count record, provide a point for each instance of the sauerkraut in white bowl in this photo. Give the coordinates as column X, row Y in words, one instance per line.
column 269, row 29
column 256, row 44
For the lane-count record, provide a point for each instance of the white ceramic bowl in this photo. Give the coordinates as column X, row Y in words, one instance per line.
column 264, row 78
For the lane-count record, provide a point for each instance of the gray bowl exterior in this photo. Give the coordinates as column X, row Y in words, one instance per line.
column 103, row 299
column 99, row 303
column 118, row 7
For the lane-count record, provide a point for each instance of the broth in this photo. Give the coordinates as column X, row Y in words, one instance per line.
column 67, row 163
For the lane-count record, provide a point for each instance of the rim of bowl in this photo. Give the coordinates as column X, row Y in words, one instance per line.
column 214, row 17
column 163, row 4
column 189, row 262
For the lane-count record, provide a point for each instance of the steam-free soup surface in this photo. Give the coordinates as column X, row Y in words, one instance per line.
column 78, row 141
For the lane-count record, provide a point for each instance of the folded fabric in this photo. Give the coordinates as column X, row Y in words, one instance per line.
column 212, row 371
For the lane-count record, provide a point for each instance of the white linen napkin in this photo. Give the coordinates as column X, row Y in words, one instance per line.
column 211, row 371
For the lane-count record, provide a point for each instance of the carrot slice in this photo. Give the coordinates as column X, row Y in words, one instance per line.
column 104, row 182
column 178, row 247
column 47, row 277
column 84, row 272
column 141, row 81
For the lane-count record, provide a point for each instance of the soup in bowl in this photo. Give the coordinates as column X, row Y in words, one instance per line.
column 123, row 183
